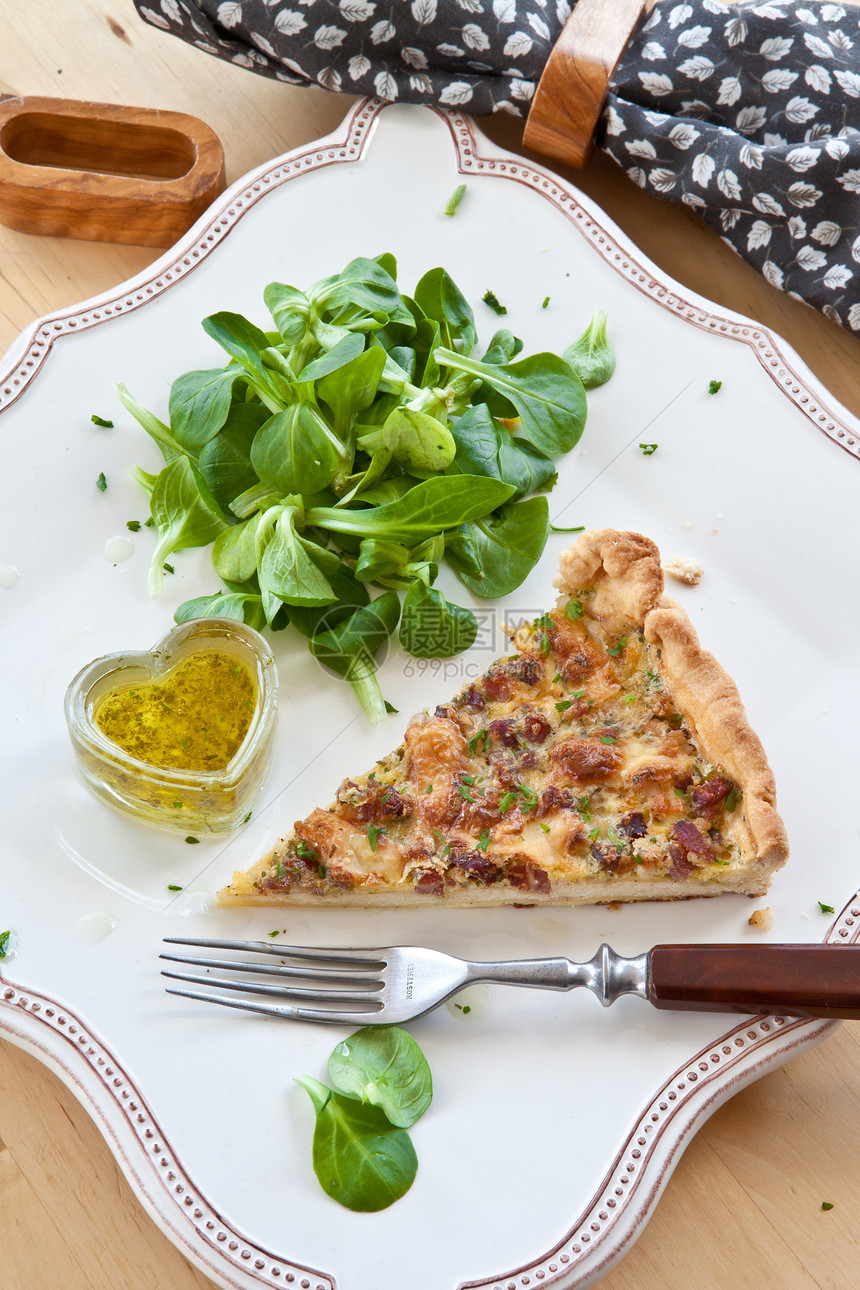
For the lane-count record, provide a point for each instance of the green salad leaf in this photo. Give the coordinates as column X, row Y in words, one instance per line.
column 383, row 1065
column 343, row 452
column 362, row 1155
column 359, row 1158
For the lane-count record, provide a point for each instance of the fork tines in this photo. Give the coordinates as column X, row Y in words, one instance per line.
column 339, row 982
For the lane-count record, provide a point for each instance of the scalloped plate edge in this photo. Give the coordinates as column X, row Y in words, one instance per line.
column 617, row 1213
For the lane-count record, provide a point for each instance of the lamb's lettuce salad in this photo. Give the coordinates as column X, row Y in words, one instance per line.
column 349, row 451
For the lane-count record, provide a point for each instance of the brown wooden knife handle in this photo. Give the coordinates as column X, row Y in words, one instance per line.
column 572, row 90
column 792, row 980
column 104, row 172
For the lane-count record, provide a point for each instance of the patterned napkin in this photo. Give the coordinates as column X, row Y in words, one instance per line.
column 749, row 113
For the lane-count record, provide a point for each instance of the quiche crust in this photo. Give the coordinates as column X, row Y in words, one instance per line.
column 609, row 759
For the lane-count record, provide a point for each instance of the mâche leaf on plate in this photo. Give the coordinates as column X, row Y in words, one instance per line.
column 183, row 514
column 385, row 1066
column 360, row 1160
column 493, row 556
column 358, row 446
column 350, row 648
column 591, row 356
column 432, row 626
column 546, row 392
column 199, row 404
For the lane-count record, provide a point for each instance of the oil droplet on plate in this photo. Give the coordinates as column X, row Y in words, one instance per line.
column 9, row 575
column 95, row 927
column 118, row 548
column 548, row 931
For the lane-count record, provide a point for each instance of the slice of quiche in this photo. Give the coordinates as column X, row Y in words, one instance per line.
column 608, row 759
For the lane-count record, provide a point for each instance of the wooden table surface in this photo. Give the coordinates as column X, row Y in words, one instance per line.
column 743, row 1208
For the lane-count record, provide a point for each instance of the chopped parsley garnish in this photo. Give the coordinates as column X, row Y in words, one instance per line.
column 630, row 698
column 827, row 1204
column 171, row 886
column 246, row 818
column 530, row 799
column 100, row 421
column 564, row 705
column 544, row 645
column 373, row 832
column 305, row 851
column 429, row 788
column 168, row 568
column 617, row 648
column 191, row 841
column 5, row 938
column 274, row 933
column 826, row 909
column 101, row 483
column 573, row 610
column 133, row 526
column 545, row 303
column 545, row 620
column 484, row 840
column 490, row 298
column 480, row 738
column 464, row 792
column 455, row 199
column 594, row 834
column 507, row 802
column 608, row 739
column 732, row 798
column 714, row 387
column 648, row 448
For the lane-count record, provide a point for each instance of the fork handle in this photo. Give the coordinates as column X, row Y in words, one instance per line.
column 795, row 980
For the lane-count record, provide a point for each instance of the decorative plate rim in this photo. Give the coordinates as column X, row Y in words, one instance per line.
column 610, row 1221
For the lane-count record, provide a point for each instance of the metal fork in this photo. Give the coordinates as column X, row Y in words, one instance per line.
column 387, row 986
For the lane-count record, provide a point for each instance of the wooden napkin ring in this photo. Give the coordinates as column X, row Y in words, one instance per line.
column 572, row 90
column 105, row 173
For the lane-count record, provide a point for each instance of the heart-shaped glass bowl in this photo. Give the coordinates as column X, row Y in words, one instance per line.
column 185, row 801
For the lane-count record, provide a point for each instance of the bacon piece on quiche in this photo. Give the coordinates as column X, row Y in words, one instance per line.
column 608, row 759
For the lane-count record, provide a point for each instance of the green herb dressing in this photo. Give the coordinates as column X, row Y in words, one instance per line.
column 196, row 718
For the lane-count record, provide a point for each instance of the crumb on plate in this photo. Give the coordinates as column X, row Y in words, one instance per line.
column 684, row 569
column 762, row 918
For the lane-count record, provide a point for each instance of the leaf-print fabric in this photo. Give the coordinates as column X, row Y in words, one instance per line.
column 748, row 113
column 482, row 55
column 758, row 131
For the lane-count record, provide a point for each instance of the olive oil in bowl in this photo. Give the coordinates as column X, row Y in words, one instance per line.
column 180, row 736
